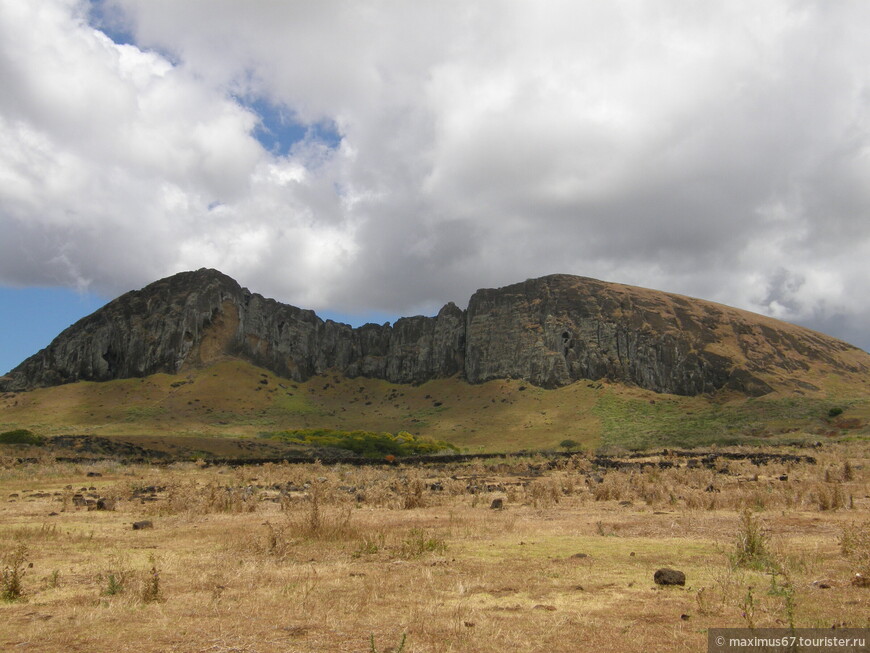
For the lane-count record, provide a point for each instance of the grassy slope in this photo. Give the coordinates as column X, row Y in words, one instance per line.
column 233, row 398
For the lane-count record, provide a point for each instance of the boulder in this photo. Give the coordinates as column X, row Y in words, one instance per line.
column 860, row 580
column 667, row 576
column 104, row 503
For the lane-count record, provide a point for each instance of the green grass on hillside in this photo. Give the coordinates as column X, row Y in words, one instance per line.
column 642, row 423
column 234, row 398
column 20, row 436
column 367, row 443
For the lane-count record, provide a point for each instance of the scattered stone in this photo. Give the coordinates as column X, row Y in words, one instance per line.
column 497, row 504
column 667, row 576
column 503, row 591
column 860, row 580
column 296, row 631
column 823, row 584
column 141, row 525
column 105, row 504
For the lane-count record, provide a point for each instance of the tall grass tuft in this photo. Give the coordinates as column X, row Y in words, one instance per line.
column 14, row 564
column 855, row 546
column 151, row 591
column 751, row 545
column 419, row 542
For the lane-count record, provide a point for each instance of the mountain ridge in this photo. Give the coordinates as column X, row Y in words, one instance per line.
column 549, row 331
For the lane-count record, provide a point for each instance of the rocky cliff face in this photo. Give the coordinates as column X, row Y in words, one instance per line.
column 550, row 331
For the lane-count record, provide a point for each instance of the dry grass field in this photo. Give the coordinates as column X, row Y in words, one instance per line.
column 282, row 558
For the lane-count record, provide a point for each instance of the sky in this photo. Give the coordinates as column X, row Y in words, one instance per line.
column 370, row 158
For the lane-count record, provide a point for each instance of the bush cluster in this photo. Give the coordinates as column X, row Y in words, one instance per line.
column 20, row 436
column 367, row 443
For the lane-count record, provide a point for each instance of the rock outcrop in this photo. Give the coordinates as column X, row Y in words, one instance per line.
column 550, row 331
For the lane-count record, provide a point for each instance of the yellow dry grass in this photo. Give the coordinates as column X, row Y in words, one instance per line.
column 314, row 558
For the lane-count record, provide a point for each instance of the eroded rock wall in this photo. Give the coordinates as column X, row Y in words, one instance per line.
column 550, row 331
column 559, row 329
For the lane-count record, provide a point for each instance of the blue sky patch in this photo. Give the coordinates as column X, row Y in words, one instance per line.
column 279, row 129
column 30, row 318
column 110, row 21
column 48, row 311
column 357, row 319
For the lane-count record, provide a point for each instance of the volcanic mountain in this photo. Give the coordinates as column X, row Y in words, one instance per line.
column 550, row 332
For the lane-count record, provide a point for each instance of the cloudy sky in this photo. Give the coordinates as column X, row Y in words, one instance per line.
column 371, row 158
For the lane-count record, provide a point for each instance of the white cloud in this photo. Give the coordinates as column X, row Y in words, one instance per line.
column 112, row 156
column 716, row 149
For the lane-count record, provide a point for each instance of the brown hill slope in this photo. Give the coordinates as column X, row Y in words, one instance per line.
column 220, row 407
column 550, row 332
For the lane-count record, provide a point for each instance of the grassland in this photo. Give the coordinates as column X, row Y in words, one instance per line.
column 307, row 557
column 278, row 558
column 233, row 399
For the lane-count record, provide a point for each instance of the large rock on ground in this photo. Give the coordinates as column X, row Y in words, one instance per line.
column 667, row 576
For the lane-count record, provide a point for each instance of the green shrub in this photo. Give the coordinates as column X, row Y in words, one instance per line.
column 419, row 542
column 21, row 436
column 836, row 411
column 367, row 443
column 114, row 584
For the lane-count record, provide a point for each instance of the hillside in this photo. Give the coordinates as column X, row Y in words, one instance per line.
column 210, row 408
column 527, row 366
column 550, row 332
